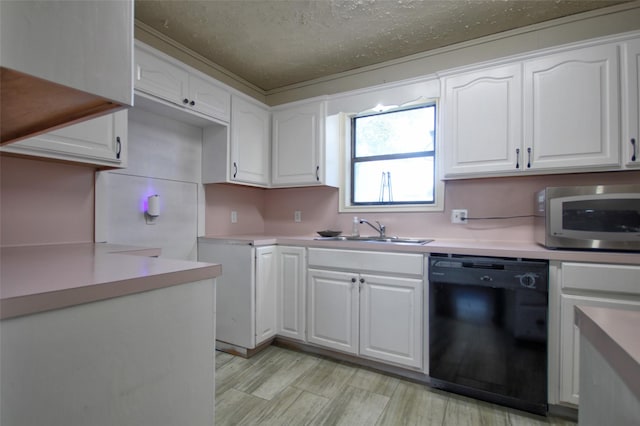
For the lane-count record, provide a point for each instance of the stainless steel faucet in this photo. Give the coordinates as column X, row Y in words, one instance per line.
column 381, row 229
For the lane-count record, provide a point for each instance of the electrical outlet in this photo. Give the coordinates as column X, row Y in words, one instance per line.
column 459, row 216
column 234, row 216
column 297, row 216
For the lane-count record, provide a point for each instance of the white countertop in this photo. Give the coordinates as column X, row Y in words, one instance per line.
column 40, row 278
column 529, row 250
column 614, row 333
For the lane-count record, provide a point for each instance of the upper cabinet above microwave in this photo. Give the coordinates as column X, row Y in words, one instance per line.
column 63, row 62
column 631, row 103
column 550, row 114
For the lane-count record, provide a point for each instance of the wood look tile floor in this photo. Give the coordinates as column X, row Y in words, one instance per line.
column 283, row 387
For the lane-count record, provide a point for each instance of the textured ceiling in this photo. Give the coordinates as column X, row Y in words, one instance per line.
column 276, row 43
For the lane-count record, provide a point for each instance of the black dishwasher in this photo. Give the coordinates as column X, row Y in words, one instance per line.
column 488, row 329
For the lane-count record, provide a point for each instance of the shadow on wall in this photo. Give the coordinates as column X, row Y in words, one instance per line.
column 43, row 202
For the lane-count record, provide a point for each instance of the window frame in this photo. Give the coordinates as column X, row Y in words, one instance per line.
column 347, row 142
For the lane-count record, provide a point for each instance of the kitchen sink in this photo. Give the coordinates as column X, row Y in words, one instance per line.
column 388, row 240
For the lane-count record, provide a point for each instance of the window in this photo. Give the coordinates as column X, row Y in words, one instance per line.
column 393, row 157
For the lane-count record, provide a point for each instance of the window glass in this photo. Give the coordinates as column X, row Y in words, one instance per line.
column 393, row 157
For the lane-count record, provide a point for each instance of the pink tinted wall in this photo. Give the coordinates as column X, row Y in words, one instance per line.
column 247, row 202
column 44, row 202
column 509, row 196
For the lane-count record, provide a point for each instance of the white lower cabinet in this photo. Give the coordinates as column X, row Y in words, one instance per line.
column 333, row 310
column 266, row 293
column 585, row 284
column 291, row 292
column 391, row 318
column 246, row 291
column 375, row 312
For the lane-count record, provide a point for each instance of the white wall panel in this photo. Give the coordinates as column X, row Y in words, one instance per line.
column 163, row 148
column 174, row 231
column 164, row 159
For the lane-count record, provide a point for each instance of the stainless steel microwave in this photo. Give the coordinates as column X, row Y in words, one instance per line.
column 599, row 217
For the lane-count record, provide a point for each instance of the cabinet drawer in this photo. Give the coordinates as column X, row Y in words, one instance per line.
column 395, row 263
column 601, row 277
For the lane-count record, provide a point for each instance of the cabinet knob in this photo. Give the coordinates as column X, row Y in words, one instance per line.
column 361, row 280
column 353, row 280
column 185, row 101
column 633, row 152
column 192, row 103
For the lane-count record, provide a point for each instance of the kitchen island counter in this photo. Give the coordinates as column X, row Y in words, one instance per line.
column 103, row 334
column 609, row 365
column 45, row 277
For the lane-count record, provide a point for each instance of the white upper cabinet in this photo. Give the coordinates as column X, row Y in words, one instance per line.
column 299, row 154
column 249, row 160
column 163, row 77
column 631, row 104
column 482, row 120
column 571, row 110
column 85, row 45
column 100, row 141
column 238, row 153
column 548, row 114
column 63, row 62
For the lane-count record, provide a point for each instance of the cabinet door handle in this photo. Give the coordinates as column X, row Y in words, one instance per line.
column 192, row 103
column 118, row 147
column 517, row 158
column 185, row 101
column 528, row 158
column 318, row 173
column 633, row 153
column 235, row 169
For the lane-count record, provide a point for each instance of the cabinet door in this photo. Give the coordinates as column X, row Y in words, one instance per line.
column 570, row 340
column 482, row 121
column 266, row 293
column 209, row 99
column 631, row 104
column 161, row 78
column 333, row 310
column 99, row 141
column 291, row 292
column 249, row 143
column 571, row 107
column 297, row 136
column 86, row 45
column 391, row 319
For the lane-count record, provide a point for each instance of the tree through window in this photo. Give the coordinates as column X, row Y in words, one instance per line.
column 393, row 157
